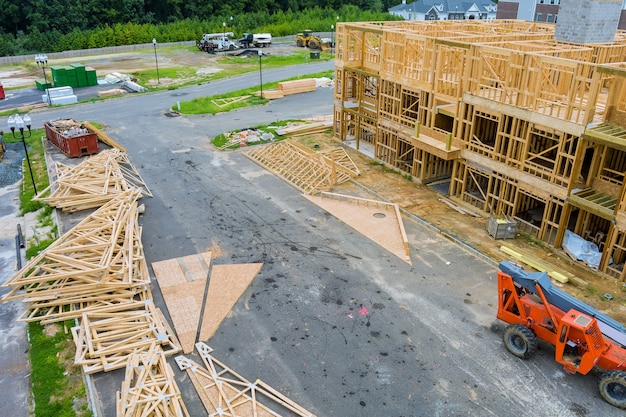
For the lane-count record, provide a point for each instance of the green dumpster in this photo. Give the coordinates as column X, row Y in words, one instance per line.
column 315, row 55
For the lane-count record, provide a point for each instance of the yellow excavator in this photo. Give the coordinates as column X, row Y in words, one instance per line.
column 308, row 39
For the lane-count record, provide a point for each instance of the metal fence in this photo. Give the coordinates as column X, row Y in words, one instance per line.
column 7, row 60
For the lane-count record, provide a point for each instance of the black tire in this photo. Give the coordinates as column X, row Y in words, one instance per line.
column 520, row 341
column 231, row 47
column 299, row 43
column 612, row 386
column 313, row 44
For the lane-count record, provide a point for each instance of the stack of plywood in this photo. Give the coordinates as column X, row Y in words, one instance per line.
column 95, row 266
column 300, row 166
column 225, row 393
column 149, row 387
column 93, row 182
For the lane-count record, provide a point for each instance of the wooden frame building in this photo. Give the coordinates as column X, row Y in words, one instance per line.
column 520, row 124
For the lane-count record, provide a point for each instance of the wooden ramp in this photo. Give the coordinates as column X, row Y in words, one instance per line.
column 223, row 392
column 149, row 387
column 183, row 282
column 379, row 221
column 301, row 167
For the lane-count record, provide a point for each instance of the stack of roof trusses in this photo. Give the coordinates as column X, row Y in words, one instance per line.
column 93, row 182
column 307, row 170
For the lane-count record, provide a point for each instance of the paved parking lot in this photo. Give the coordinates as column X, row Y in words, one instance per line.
column 333, row 321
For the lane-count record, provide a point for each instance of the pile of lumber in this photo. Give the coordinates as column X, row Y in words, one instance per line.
column 93, row 182
column 149, row 387
column 105, row 341
column 286, row 88
column 300, row 166
column 305, row 128
column 223, row 392
column 95, row 266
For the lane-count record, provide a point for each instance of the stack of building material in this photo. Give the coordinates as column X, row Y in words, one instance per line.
column 105, row 341
column 93, row 182
column 96, row 266
column 300, row 166
column 149, row 387
column 223, row 392
column 286, row 88
column 305, row 129
column 59, row 95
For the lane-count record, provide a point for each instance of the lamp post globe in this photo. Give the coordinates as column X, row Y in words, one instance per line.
column 19, row 123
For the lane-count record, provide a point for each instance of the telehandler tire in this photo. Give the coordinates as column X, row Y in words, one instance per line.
column 520, row 341
column 612, row 386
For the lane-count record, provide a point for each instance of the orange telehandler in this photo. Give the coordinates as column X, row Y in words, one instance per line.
column 583, row 337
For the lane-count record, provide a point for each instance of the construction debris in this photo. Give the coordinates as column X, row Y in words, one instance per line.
column 149, row 387
column 302, row 167
column 93, row 182
column 223, row 392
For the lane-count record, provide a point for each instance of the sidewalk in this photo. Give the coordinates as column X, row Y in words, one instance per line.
column 14, row 364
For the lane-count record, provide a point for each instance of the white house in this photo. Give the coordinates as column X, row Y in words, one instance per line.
column 446, row 10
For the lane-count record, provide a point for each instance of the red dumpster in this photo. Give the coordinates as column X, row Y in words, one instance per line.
column 71, row 138
column 1, row 91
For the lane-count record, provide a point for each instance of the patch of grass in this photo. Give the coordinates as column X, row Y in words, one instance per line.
column 57, row 386
column 214, row 104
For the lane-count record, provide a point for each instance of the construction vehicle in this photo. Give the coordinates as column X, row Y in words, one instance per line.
column 258, row 40
column 307, row 39
column 212, row 42
column 583, row 337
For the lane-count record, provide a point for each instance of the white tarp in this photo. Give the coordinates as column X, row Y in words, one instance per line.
column 582, row 249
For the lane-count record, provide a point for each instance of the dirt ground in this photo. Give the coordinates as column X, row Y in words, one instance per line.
column 415, row 198
column 426, row 203
column 204, row 64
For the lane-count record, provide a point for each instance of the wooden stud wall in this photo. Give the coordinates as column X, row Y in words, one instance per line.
column 511, row 98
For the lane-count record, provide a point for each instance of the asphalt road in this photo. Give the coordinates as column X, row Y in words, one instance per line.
column 429, row 344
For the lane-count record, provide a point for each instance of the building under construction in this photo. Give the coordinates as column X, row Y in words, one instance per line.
column 520, row 124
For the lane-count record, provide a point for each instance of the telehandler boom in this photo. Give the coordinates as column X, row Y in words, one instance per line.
column 583, row 337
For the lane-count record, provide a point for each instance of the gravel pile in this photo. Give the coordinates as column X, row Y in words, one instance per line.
column 11, row 165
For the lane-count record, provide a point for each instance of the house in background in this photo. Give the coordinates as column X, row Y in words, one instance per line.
column 446, row 10
column 542, row 10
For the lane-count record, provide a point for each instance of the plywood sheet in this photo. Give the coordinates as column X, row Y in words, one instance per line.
column 183, row 283
column 379, row 221
column 227, row 284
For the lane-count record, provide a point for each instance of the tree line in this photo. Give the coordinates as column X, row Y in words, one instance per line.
column 42, row 26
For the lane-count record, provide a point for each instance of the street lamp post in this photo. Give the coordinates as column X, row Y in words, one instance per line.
column 332, row 28
column 42, row 62
column 19, row 122
column 261, row 72
column 156, row 61
column 224, row 35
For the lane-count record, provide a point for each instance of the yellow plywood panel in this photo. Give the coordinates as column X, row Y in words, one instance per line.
column 379, row 221
column 227, row 284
